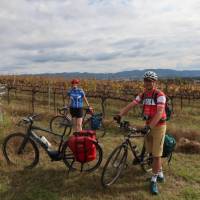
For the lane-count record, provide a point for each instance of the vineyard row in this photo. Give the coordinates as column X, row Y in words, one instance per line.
column 102, row 95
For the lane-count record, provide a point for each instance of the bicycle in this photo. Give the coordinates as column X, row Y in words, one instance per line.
column 117, row 160
column 63, row 120
column 21, row 149
column 61, row 123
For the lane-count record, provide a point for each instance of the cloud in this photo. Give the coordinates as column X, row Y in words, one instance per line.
column 56, row 44
column 98, row 35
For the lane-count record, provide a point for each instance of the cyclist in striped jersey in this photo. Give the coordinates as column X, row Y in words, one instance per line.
column 154, row 114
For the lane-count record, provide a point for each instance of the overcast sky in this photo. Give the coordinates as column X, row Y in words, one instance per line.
column 39, row 36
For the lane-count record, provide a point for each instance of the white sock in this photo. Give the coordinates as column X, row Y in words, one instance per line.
column 160, row 173
column 154, row 178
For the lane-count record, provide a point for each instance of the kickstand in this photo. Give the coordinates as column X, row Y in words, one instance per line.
column 70, row 168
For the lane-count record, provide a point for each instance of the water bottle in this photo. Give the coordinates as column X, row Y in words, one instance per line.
column 136, row 149
column 45, row 142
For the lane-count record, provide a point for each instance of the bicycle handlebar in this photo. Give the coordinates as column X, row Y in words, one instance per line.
column 64, row 110
column 89, row 111
column 27, row 120
column 127, row 127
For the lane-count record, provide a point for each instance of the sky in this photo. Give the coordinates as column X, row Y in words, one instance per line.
column 53, row 36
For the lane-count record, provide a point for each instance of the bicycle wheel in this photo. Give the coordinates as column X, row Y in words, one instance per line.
column 114, row 165
column 146, row 162
column 59, row 123
column 70, row 160
column 101, row 131
column 27, row 158
column 87, row 124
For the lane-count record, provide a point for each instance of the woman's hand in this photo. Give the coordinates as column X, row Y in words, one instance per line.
column 117, row 118
column 91, row 109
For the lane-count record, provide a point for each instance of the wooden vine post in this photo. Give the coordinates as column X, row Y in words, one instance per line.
column 8, row 94
column 54, row 99
column 49, row 97
column 34, row 91
column 103, row 102
column 181, row 102
column 63, row 95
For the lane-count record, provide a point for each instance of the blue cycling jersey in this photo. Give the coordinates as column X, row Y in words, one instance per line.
column 76, row 95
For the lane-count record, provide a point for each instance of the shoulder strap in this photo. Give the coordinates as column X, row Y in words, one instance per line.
column 155, row 95
column 143, row 96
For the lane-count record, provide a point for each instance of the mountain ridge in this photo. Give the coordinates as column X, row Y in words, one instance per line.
column 132, row 74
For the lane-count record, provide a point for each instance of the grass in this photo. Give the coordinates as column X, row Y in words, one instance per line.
column 50, row 180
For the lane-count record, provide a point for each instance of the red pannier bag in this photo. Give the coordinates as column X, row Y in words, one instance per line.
column 89, row 133
column 82, row 145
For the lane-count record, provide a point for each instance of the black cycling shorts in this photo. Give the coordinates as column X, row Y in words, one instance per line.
column 76, row 112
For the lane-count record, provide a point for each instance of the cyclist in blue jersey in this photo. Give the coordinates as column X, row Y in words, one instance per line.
column 76, row 97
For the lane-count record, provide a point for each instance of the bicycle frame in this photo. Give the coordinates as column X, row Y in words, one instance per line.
column 34, row 135
column 64, row 112
column 132, row 146
column 30, row 133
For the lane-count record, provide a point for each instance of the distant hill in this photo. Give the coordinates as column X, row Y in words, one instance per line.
column 134, row 74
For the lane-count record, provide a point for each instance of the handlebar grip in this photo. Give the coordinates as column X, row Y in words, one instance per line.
column 24, row 120
column 33, row 117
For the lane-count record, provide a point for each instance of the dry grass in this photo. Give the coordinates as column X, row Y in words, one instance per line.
column 49, row 180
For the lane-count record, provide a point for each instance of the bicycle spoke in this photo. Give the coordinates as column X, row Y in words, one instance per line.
column 58, row 125
column 114, row 166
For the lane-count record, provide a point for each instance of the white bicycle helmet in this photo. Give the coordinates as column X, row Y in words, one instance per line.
column 150, row 75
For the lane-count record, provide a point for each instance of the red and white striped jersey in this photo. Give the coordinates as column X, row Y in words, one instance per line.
column 151, row 100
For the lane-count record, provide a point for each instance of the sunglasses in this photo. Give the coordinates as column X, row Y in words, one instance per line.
column 149, row 80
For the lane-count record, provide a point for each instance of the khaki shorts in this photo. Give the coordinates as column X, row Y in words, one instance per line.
column 155, row 140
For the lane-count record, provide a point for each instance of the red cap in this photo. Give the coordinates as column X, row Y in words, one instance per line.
column 75, row 81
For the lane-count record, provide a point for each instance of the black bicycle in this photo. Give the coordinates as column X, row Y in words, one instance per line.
column 62, row 123
column 59, row 122
column 21, row 149
column 117, row 160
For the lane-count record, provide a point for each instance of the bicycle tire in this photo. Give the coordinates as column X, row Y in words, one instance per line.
column 58, row 124
column 146, row 162
column 101, row 131
column 72, row 164
column 9, row 151
column 119, row 167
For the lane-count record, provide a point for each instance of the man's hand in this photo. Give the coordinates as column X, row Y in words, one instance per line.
column 146, row 130
column 117, row 118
